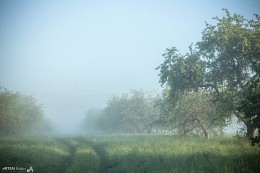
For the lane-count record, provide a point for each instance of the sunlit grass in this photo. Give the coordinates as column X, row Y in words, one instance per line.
column 43, row 154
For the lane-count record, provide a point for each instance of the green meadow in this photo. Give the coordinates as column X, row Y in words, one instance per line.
column 129, row 154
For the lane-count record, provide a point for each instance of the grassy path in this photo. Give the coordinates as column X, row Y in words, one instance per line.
column 106, row 165
column 68, row 162
column 83, row 158
column 101, row 152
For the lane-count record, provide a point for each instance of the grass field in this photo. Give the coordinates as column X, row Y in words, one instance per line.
column 128, row 154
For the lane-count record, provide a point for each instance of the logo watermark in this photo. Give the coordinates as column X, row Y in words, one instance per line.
column 16, row 169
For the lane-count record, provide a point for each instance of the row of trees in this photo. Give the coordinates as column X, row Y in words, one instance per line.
column 129, row 113
column 139, row 112
column 20, row 114
column 203, row 89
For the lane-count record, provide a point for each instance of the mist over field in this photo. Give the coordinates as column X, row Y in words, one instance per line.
column 72, row 56
column 129, row 86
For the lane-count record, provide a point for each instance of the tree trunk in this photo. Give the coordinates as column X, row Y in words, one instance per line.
column 250, row 130
column 206, row 134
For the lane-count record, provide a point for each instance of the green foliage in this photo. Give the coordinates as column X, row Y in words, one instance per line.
column 20, row 114
column 132, row 114
column 181, row 72
column 231, row 49
column 225, row 62
column 7, row 100
column 195, row 114
column 91, row 120
column 250, row 103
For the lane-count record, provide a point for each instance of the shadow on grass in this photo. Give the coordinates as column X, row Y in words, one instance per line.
column 42, row 158
column 135, row 162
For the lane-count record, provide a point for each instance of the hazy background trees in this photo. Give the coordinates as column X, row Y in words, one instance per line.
column 139, row 112
column 133, row 112
column 20, row 114
column 90, row 123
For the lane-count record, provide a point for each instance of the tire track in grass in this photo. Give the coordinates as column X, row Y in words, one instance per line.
column 101, row 152
column 70, row 160
column 83, row 158
column 86, row 156
column 106, row 164
column 71, row 145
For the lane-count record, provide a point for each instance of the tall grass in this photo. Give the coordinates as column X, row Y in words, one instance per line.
column 129, row 154
column 170, row 154
column 43, row 154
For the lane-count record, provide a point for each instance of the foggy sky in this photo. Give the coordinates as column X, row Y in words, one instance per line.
column 73, row 55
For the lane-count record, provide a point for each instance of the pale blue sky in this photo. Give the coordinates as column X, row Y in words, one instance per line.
column 73, row 55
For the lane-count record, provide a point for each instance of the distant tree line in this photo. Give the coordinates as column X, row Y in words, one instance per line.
column 21, row 114
column 129, row 113
column 139, row 112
